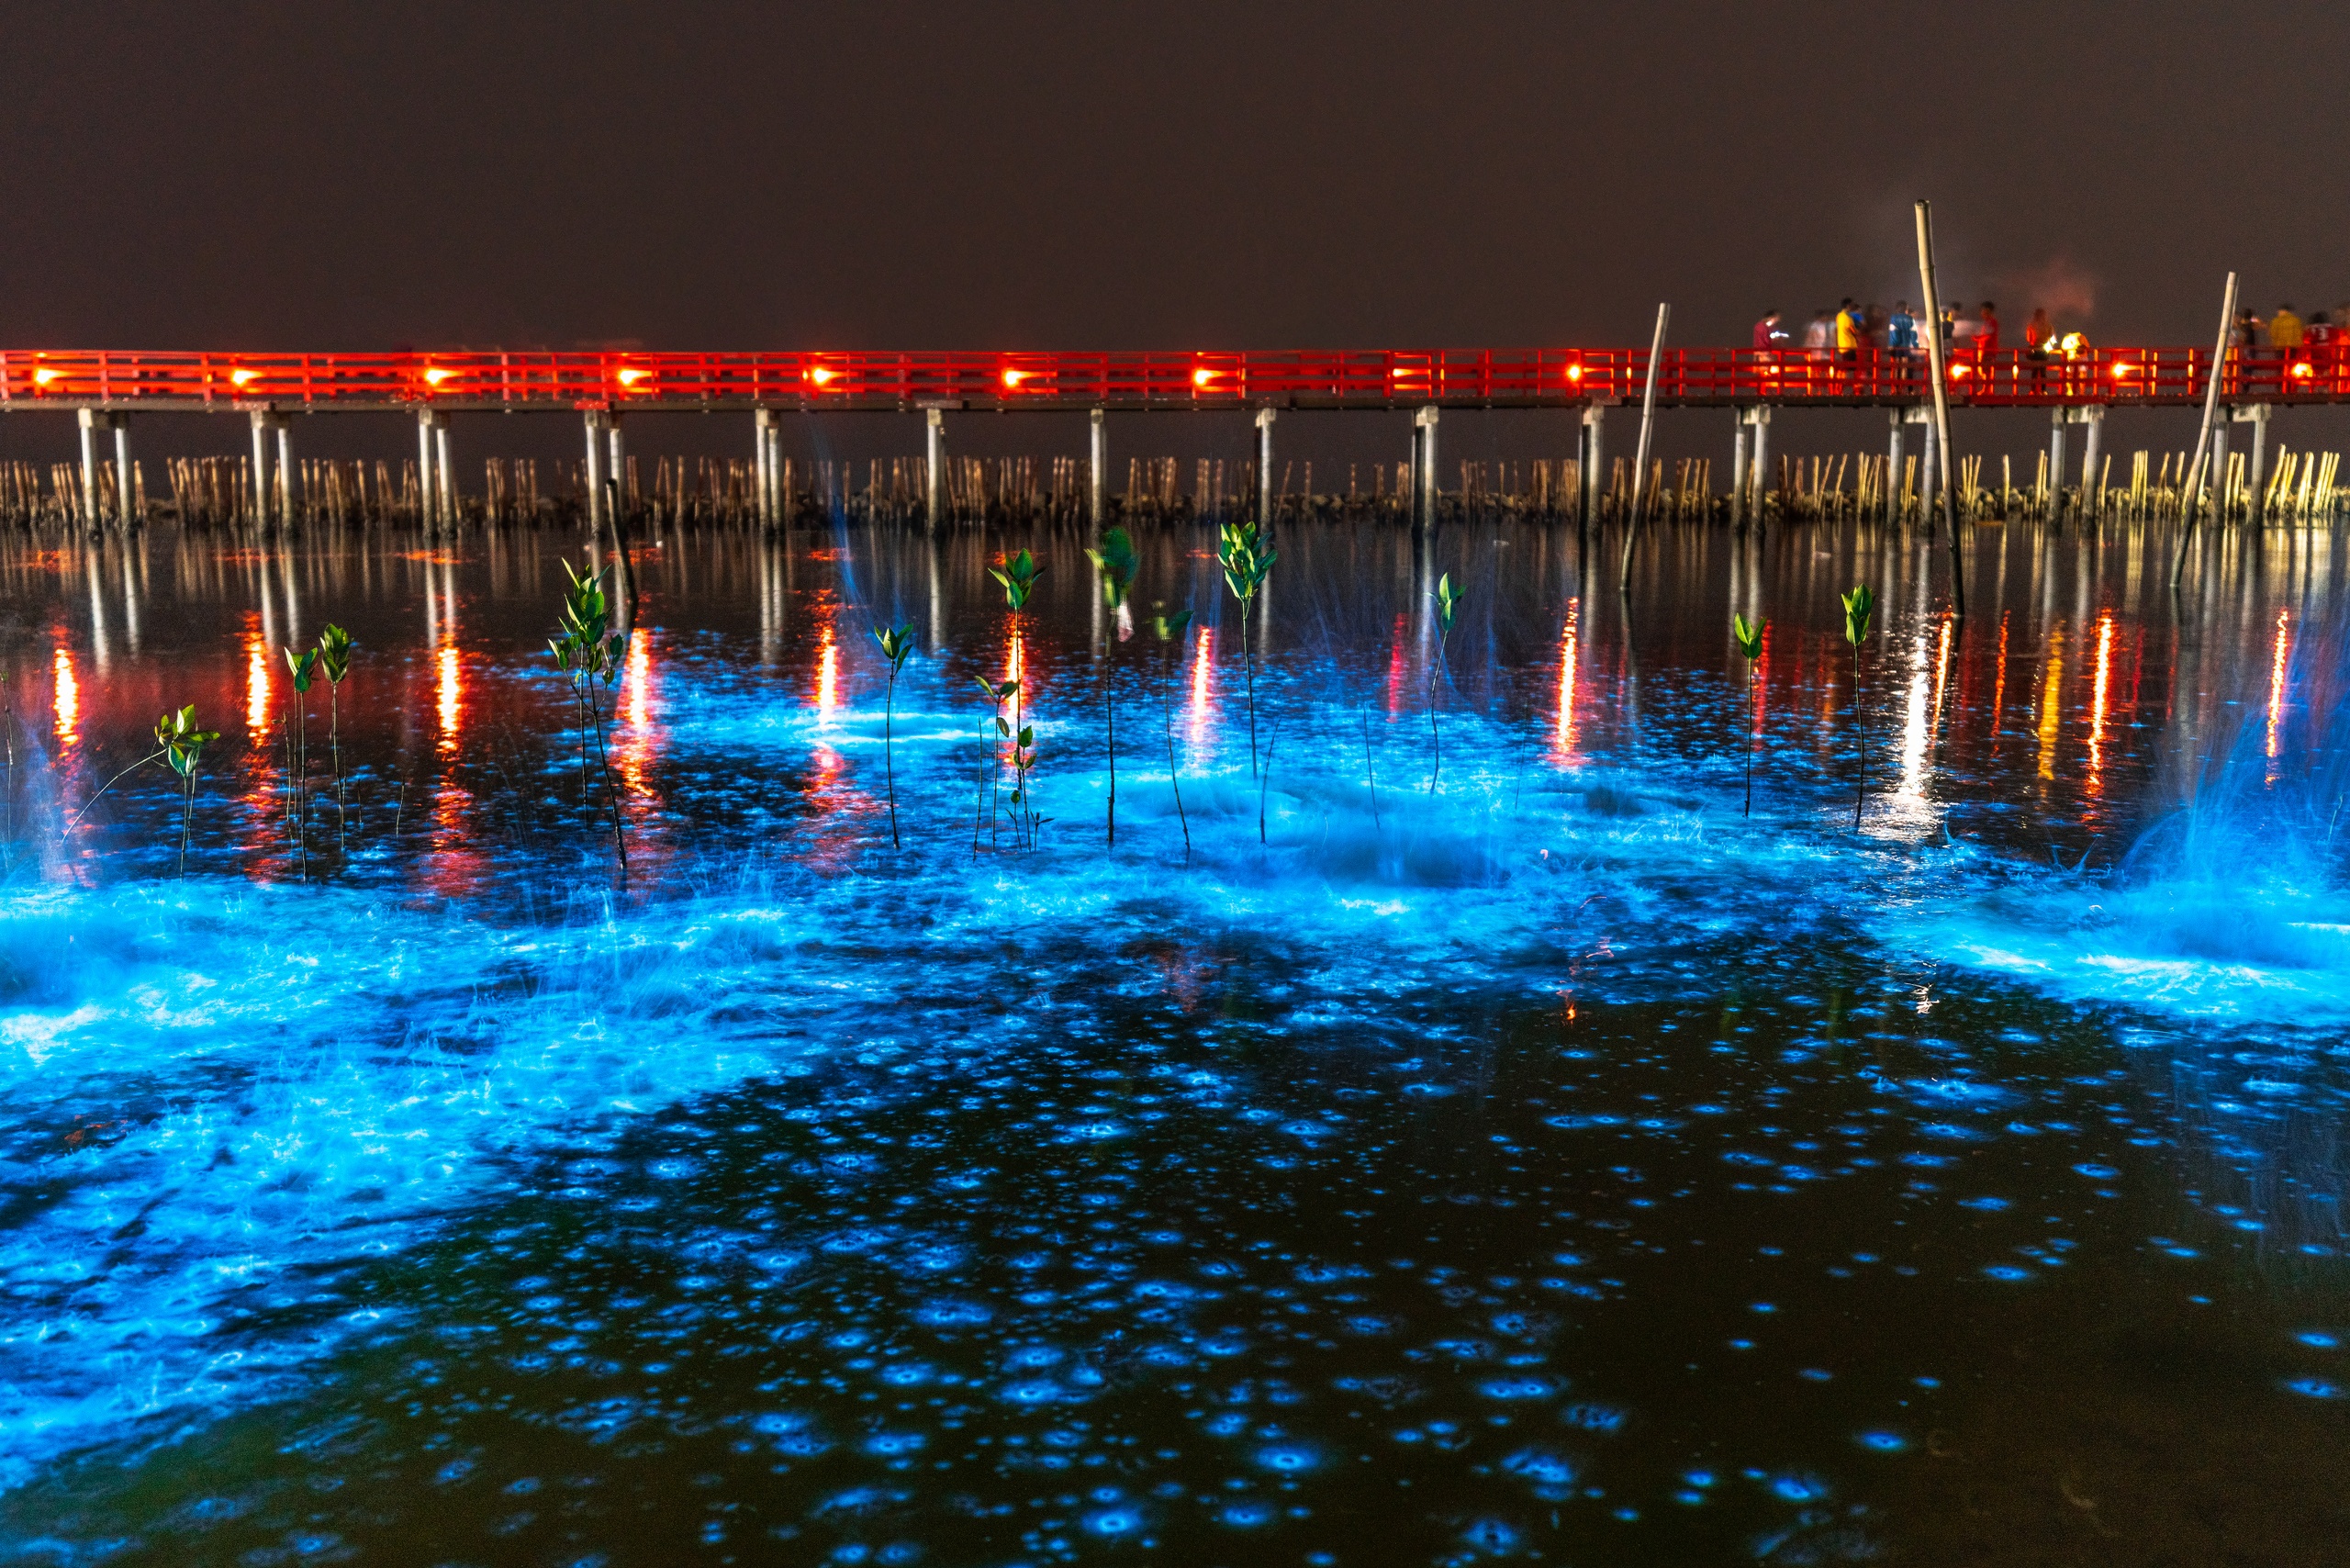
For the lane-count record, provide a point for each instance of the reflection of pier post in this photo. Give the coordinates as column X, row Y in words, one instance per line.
column 426, row 422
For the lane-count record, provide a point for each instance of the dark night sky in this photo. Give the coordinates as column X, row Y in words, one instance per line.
column 739, row 176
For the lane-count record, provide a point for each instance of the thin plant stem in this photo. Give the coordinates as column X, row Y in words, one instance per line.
column 109, row 785
column 889, row 756
column 1753, row 693
column 1861, row 733
column 611, row 790
column 1110, row 730
column 1248, row 664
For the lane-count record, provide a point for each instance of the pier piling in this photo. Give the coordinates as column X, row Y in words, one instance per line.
column 933, row 463
column 1097, row 458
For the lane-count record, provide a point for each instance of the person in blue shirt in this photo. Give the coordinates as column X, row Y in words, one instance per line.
column 1901, row 330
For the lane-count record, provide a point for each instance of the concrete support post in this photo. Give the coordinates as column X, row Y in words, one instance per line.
column 2055, row 465
column 125, row 501
column 1738, row 469
column 283, row 484
column 425, row 510
column 1426, row 489
column 2257, row 416
column 1097, row 471
column 780, row 491
column 616, row 475
column 2219, row 496
column 933, row 476
column 1265, row 472
column 1894, row 458
column 2093, row 417
column 1595, row 461
column 90, row 418
column 445, row 487
column 1760, row 418
column 261, row 468
column 595, row 473
column 762, row 437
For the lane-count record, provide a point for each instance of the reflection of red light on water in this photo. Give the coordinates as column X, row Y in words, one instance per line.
column 1203, row 687
column 828, row 670
column 2097, row 699
column 1567, row 646
column 1395, row 672
column 256, row 680
column 2276, row 685
column 451, row 697
column 69, row 698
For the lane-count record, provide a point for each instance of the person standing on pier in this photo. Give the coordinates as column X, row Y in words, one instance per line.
column 2284, row 328
column 1768, row 333
column 1901, row 330
column 1986, row 327
column 1852, row 332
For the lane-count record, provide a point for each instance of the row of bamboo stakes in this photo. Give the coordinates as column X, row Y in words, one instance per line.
column 216, row 494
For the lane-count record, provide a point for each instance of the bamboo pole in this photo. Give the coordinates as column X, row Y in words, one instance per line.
column 1641, row 464
column 2203, row 436
column 1941, row 399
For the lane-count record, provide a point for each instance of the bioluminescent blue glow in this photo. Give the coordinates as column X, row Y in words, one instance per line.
column 1551, row 1163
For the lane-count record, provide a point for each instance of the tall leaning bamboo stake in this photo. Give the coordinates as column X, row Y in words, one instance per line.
column 1933, row 325
column 1641, row 464
column 2203, row 436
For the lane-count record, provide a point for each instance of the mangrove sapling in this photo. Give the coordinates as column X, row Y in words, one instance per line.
column 1117, row 564
column 1019, row 576
column 304, row 665
column 896, row 643
column 993, row 812
column 1859, row 605
column 184, row 742
column 1750, row 643
column 1246, row 561
column 1447, row 605
column 1169, row 629
column 587, row 651
column 334, row 660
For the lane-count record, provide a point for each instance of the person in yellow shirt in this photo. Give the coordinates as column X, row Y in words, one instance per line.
column 2284, row 328
column 1851, row 331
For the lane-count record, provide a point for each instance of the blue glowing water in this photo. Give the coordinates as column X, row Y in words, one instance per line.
column 1553, row 1162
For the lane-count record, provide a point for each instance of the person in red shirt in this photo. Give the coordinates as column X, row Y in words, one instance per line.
column 1987, row 331
column 1768, row 333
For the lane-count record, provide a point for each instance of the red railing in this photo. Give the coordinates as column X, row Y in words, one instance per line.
column 1304, row 377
